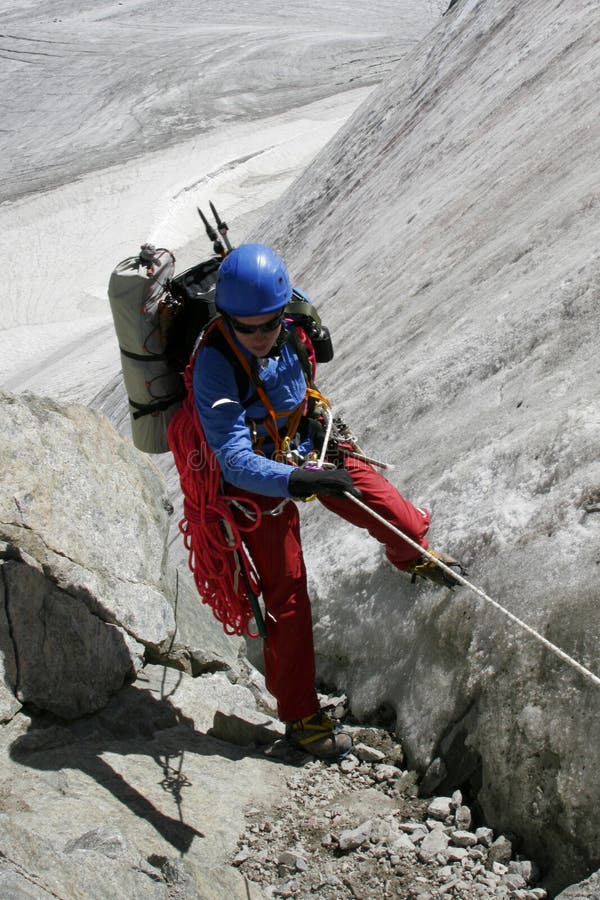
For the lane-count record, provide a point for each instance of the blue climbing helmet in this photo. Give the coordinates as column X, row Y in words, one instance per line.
column 252, row 280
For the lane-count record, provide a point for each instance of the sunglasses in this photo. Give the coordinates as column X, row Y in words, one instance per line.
column 264, row 328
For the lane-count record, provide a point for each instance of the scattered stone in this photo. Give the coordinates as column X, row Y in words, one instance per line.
column 514, row 881
column 349, row 764
column 526, row 869
column 456, row 800
column 463, row 818
column 436, row 823
column 407, row 784
column 440, row 808
column 368, row 754
column 433, row 843
column 499, row 869
column 344, row 833
column 449, row 886
column 291, row 859
column 418, row 835
column 353, row 838
column 411, row 827
column 484, row 836
column 402, row 844
column 463, row 838
column 500, row 851
column 384, row 772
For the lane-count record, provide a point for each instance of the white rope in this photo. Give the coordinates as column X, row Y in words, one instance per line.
column 548, row 644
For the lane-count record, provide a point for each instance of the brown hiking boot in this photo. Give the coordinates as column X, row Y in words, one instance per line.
column 315, row 734
column 423, row 567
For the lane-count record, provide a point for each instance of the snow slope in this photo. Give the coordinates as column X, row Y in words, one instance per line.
column 449, row 236
column 119, row 118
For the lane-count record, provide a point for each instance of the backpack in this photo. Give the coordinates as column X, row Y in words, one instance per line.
column 158, row 318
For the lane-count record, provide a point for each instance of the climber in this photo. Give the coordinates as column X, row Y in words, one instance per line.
column 255, row 429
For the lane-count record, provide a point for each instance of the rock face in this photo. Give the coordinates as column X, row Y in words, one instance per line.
column 474, row 167
column 82, row 526
column 585, row 890
column 136, row 799
column 111, row 789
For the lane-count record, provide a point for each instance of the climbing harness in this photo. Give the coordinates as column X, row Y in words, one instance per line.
column 312, row 396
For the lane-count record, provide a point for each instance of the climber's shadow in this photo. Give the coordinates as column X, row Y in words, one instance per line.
column 135, row 722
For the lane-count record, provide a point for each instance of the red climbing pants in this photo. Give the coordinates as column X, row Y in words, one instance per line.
column 276, row 551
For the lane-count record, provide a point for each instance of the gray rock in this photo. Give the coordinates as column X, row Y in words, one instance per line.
column 108, row 841
column 74, row 489
column 589, row 889
column 351, row 838
column 212, row 705
column 384, row 772
column 526, row 868
column 249, row 727
column 349, row 764
column 255, row 681
column 402, row 844
column 137, row 774
column 366, row 802
column 433, row 843
column 45, row 619
column 292, row 859
column 500, row 851
column 457, row 800
column 514, row 881
column 433, row 777
column 440, row 808
column 383, row 830
column 215, row 883
column 484, row 836
column 199, row 645
column 9, row 704
column 32, row 867
column 499, row 869
column 418, row 834
column 368, row 754
column 437, row 823
column 83, row 533
column 462, row 817
column 463, row 838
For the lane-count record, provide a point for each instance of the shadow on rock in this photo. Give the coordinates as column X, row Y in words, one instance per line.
column 134, row 723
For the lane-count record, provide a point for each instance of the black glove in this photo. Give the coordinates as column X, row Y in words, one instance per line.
column 304, row 483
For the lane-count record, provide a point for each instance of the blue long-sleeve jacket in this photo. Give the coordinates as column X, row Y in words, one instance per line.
column 225, row 420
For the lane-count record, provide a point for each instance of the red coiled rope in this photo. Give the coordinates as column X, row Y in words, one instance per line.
column 212, row 537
